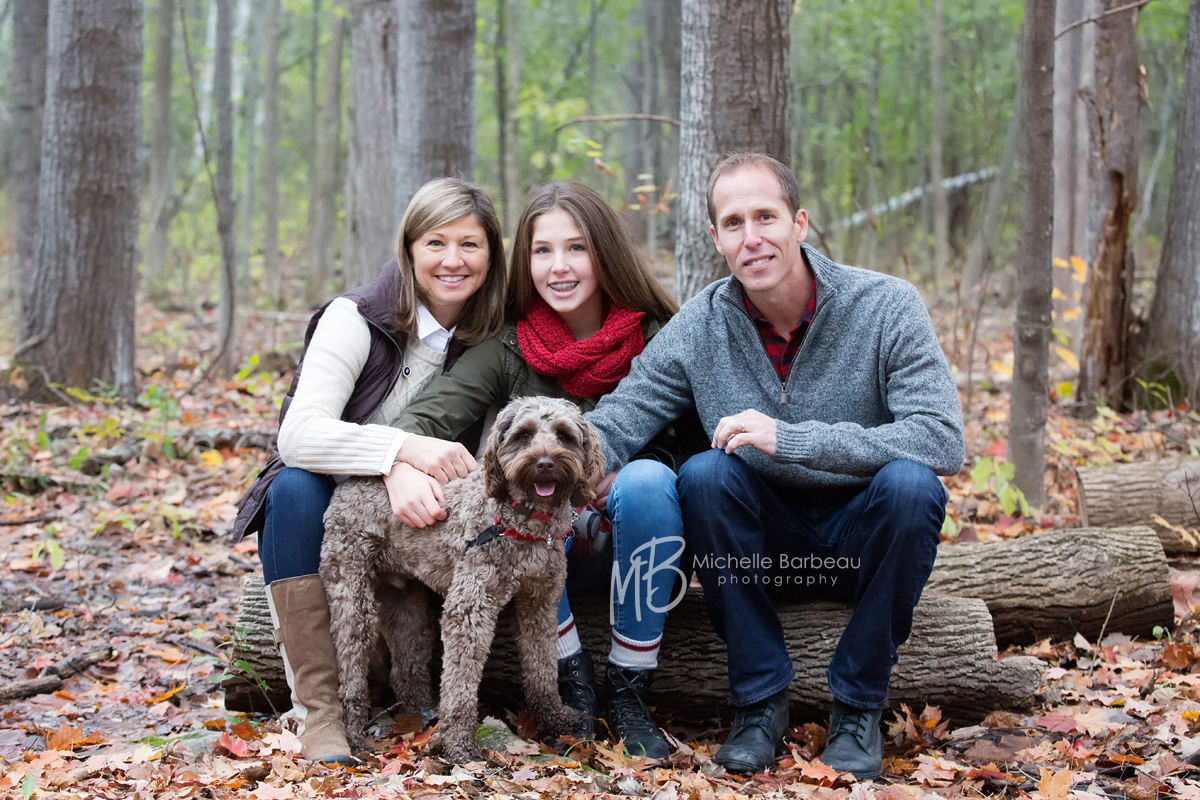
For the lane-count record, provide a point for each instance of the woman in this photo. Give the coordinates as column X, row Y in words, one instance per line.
column 368, row 353
column 584, row 306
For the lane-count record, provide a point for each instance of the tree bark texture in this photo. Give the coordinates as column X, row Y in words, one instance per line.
column 155, row 259
column 1174, row 323
column 1035, row 281
column 372, row 217
column 949, row 661
column 937, row 129
column 1073, row 59
column 1129, row 494
column 223, row 191
column 1113, row 121
column 271, row 32
column 435, row 93
column 1062, row 582
column 325, row 213
column 29, row 96
column 250, row 135
column 735, row 73
column 77, row 326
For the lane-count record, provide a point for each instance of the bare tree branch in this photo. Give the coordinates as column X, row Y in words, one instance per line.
column 1082, row 22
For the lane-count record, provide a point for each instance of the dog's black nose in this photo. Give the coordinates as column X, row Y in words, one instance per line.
column 545, row 464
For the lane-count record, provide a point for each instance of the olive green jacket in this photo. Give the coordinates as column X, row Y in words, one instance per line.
column 493, row 372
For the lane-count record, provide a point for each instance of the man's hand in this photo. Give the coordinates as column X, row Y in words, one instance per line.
column 442, row 460
column 416, row 497
column 752, row 428
column 602, row 489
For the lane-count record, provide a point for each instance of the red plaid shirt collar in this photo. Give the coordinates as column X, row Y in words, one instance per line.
column 780, row 351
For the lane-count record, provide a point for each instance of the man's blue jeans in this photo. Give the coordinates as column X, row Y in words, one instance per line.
column 751, row 543
column 293, row 524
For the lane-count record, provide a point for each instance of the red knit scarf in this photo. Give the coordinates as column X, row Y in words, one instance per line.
column 584, row 369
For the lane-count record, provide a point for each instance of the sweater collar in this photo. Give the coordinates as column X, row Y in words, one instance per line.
column 827, row 274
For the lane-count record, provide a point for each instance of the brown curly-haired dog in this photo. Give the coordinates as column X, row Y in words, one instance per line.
column 541, row 459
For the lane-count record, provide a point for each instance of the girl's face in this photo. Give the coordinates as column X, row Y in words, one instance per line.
column 563, row 273
column 450, row 263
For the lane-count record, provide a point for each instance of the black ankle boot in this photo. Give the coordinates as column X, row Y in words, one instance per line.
column 757, row 735
column 628, row 716
column 577, row 688
column 855, row 743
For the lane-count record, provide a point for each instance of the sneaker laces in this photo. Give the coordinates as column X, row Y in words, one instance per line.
column 574, row 688
column 852, row 721
column 626, row 706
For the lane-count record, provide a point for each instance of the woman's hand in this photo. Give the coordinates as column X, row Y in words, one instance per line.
column 752, row 428
column 416, row 497
column 442, row 460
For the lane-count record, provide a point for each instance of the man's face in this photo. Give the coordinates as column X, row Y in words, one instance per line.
column 758, row 237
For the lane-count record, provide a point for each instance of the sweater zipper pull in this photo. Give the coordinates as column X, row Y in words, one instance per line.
column 783, row 396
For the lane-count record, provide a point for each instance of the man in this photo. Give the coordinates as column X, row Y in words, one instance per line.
column 831, row 408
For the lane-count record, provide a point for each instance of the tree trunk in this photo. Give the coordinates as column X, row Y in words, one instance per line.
column 1062, row 582
column 1031, row 332
column 1129, row 494
column 371, row 214
column 325, row 216
column 514, row 195
column 949, row 661
column 1174, row 323
column 937, row 128
column 668, row 157
column 735, row 74
column 29, row 97
column 223, row 191
column 1073, row 74
column 435, row 88
column 314, row 105
column 871, row 147
column 1115, row 109
column 250, row 132
column 78, row 327
column 155, row 260
column 271, row 31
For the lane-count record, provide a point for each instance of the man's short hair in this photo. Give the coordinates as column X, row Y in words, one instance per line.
column 735, row 162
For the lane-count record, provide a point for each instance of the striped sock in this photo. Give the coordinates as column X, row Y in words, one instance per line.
column 568, row 639
column 633, row 654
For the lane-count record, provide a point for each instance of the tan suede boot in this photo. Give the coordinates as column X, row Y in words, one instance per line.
column 300, row 613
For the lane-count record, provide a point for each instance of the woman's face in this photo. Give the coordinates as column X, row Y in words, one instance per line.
column 563, row 273
column 450, row 263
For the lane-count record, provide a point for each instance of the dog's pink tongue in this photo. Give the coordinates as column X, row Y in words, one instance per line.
column 544, row 489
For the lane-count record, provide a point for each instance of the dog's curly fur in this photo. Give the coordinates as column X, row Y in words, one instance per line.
column 376, row 571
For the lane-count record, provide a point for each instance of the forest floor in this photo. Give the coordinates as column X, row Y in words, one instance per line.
column 125, row 567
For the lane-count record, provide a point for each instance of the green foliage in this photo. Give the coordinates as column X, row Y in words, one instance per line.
column 998, row 476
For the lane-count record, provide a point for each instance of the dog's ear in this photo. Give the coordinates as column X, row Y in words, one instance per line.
column 494, row 483
column 593, row 465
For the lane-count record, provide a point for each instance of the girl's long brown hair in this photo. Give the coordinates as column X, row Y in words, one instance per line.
column 620, row 271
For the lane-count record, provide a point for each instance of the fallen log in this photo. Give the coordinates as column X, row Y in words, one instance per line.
column 52, row 677
column 949, row 661
column 1132, row 494
column 1062, row 582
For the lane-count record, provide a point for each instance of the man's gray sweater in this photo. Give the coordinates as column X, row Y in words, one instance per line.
column 869, row 385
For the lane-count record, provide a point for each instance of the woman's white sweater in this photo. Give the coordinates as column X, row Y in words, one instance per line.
column 313, row 435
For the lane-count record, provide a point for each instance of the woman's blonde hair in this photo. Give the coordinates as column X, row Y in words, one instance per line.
column 620, row 271
column 438, row 203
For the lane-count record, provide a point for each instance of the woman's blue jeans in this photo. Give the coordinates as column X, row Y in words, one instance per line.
column 293, row 524
column 751, row 543
column 647, row 542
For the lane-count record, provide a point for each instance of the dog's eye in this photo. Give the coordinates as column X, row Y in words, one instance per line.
column 524, row 436
column 567, row 438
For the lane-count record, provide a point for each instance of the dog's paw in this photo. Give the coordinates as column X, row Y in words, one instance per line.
column 566, row 720
column 457, row 747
